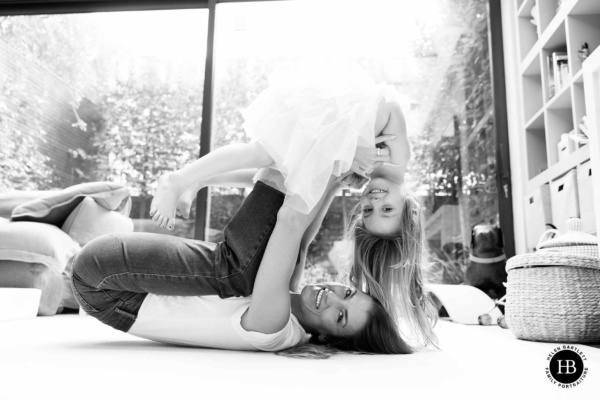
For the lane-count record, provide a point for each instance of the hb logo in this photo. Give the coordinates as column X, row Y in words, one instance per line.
column 566, row 366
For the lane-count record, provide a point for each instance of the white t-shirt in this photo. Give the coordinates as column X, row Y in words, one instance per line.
column 208, row 321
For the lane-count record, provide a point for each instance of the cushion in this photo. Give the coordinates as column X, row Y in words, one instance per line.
column 10, row 200
column 36, row 243
column 55, row 207
column 17, row 274
column 90, row 220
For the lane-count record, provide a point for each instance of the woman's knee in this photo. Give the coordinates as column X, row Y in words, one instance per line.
column 99, row 257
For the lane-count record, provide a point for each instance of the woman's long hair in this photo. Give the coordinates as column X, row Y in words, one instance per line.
column 378, row 336
column 390, row 269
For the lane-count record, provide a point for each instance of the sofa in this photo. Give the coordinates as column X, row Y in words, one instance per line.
column 42, row 231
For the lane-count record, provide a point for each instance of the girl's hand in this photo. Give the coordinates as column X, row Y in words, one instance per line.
column 366, row 159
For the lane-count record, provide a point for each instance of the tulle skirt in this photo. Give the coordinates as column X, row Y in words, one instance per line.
column 310, row 122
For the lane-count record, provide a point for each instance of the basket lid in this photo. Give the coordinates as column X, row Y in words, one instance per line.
column 573, row 241
column 572, row 249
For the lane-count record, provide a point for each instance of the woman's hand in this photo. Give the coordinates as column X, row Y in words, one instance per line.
column 368, row 158
column 352, row 180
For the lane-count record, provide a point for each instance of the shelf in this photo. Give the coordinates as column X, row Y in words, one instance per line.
column 578, row 78
column 555, row 37
column 532, row 95
column 545, row 120
column 582, row 29
column 584, row 7
column 560, row 100
column 535, row 145
column 537, row 121
column 551, row 35
column 528, row 65
column 576, row 158
column 531, row 66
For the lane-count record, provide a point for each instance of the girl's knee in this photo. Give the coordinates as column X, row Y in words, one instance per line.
column 260, row 156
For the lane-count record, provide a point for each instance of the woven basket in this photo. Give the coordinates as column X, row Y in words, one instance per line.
column 553, row 295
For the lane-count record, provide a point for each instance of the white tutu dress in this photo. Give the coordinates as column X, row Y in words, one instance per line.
column 310, row 122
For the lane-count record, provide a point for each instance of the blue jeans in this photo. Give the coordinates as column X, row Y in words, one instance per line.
column 113, row 274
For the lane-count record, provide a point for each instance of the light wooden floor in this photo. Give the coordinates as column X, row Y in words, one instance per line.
column 76, row 357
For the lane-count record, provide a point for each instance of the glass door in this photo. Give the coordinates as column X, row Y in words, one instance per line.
column 434, row 53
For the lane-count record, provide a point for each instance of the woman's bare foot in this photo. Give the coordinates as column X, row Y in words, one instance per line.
column 184, row 204
column 164, row 203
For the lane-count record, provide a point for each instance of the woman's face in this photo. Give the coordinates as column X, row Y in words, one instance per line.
column 334, row 309
column 382, row 202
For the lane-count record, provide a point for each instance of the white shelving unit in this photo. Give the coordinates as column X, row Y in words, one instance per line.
column 548, row 176
column 591, row 78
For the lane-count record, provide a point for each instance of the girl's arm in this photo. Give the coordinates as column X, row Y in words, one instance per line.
column 269, row 309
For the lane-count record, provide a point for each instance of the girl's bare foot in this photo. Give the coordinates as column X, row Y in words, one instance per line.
column 164, row 203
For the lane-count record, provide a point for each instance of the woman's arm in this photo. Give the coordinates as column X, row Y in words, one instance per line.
column 269, row 310
column 390, row 121
column 311, row 233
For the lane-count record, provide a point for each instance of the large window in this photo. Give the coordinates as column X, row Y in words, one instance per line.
column 104, row 96
column 434, row 52
column 118, row 96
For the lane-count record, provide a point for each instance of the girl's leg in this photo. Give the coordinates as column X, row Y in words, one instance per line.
column 225, row 159
column 239, row 178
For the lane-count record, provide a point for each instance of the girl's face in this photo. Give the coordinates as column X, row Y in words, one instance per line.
column 382, row 202
column 334, row 309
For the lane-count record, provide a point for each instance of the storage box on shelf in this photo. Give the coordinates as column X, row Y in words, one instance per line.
column 564, row 199
column 538, row 214
column 555, row 36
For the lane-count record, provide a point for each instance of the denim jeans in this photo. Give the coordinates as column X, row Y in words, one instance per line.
column 113, row 274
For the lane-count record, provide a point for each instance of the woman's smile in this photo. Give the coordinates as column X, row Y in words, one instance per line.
column 320, row 297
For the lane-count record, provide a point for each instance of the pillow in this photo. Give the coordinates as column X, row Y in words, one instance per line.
column 10, row 200
column 36, row 243
column 54, row 208
column 90, row 220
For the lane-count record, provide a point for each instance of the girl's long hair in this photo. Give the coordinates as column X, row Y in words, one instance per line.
column 378, row 336
column 390, row 269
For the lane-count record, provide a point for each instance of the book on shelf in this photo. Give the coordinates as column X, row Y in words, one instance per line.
column 558, row 72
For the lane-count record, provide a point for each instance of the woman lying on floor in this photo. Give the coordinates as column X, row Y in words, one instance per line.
column 190, row 292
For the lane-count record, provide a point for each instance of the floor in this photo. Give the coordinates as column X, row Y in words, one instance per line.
column 76, row 357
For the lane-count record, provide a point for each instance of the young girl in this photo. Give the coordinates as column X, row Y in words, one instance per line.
column 307, row 127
